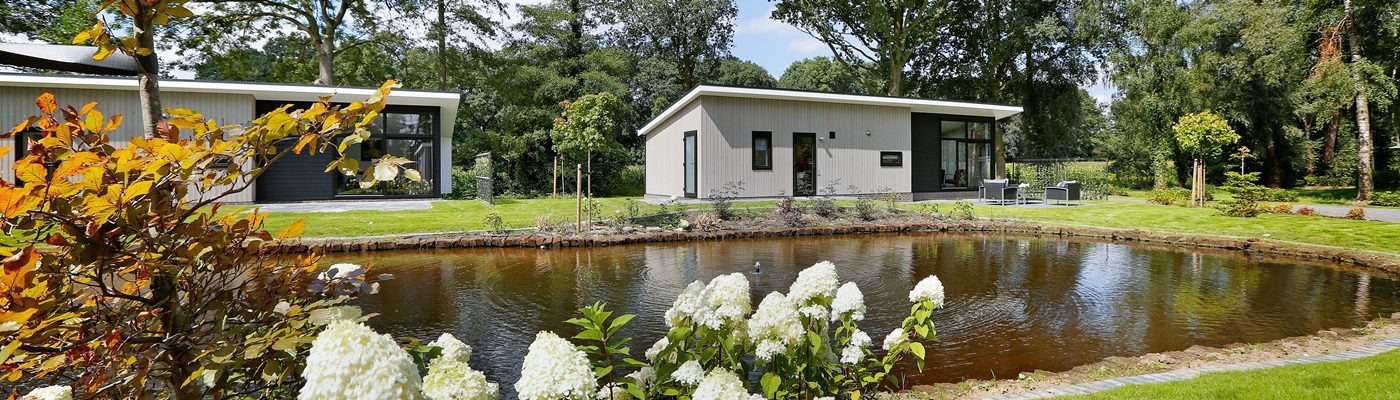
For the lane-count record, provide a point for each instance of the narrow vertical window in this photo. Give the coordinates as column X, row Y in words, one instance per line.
column 763, row 151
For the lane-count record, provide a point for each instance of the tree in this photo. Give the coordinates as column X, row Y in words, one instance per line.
column 880, row 37
column 820, row 74
column 587, row 126
column 692, row 35
column 140, row 44
column 736, row 72
column 1202, row 135
column 144, row 287
column 331, row 26
column 453, row 19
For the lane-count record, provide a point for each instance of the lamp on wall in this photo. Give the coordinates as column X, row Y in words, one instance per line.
column 867, row 133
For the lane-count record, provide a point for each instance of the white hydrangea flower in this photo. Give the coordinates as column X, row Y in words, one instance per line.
column 855, row 348
column 452, row 349
column 338, row 271
column 894, row 338
column 555, row 369
column 721, row 384
column 726, row 299
column 815, row 311
column 690, row 373
column 350, row 360
column 775, row 327
column 928, row 289
column 756, row 396
column 818, row 280
column 452, row 380
column 613, row 391
column 849, row 300
column 644, row 377
column 690, row 305
column 826, row 398
column 657, row 347
column 50, row 393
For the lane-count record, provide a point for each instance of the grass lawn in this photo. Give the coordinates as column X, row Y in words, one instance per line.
column 1366, row 378
column 1369, row 235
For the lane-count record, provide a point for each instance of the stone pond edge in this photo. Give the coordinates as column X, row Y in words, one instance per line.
column 1378, row 260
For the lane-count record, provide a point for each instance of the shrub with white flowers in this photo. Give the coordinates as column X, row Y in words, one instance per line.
column 554, row 369
column 453, row 350
column 449, row 379
column 806, row 343
column 350, row 360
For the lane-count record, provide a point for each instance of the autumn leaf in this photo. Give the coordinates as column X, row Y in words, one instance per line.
column 47, row 103
column 29, row 171
column 293, row 230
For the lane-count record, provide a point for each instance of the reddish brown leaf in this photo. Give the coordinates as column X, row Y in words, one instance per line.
column 47, row 103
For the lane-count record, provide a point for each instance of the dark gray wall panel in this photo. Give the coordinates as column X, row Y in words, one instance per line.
column 297, row 177
column 925, row 153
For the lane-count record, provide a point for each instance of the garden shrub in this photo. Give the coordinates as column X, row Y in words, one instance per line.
column 962, row 209
column 1284, row 195
column 1387, row 199
column 493, row 223
column 1282, row 209
column 706, row 221
column 145, row 288
column 463, row 184
column 722, row 199
column 1247, row 195
column 1307, row 211
column 864, row 206
column 1168, row 197
column 1356, row 214
column 787, row 212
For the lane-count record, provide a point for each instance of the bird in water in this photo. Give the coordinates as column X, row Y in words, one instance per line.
column 757, row 267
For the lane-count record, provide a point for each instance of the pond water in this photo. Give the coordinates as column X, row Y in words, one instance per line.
column 1014, row 303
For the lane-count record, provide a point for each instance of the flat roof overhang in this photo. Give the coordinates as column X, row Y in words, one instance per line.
column 995, row 111
column 260, row 91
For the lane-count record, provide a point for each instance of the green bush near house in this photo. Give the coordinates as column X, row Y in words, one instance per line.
column 1387, row 199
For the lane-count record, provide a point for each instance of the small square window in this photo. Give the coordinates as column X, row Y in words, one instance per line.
column 891, row 159
column 763, row 151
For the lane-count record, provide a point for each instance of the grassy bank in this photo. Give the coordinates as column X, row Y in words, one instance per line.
column 1365, row 378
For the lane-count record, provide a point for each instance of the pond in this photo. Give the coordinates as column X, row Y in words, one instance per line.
column 1014, row 303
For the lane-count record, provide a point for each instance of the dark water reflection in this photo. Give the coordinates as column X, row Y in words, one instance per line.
column 1014, row 304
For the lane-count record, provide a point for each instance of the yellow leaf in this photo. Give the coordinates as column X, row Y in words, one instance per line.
column 181, row 12
column 114, row 124
column 99, row 208
column 5, row 150
column 136, row 189
column 29, row 171
column 23, row 125
column 103, row 52
column 385, row 171
column 46, row 103
column 293, row 230
column 412, row 175
column 93, row 121
column 303, row 142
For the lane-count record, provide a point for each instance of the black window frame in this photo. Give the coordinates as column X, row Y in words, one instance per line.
column 21, row 151
column 753, row 150
column 898, row 162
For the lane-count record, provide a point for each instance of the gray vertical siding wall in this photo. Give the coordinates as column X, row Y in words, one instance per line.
column 852, row 159
column 665, row 153
column 17, row 103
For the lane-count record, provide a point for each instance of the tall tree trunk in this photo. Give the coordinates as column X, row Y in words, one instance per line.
column 1329, row 144
column 148, row 71
column 325, row 61
column 442, row 43
column 1364, row 182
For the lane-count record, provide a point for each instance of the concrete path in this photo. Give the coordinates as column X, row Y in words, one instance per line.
column 1189, row 373
column 348, row 205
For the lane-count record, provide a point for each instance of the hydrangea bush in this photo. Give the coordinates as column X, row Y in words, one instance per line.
column 806, row 343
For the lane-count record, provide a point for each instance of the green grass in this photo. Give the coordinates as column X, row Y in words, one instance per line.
column 1368, row 235
column 1375, row 377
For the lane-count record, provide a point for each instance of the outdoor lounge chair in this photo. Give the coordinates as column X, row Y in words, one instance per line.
column 999, row 191
column 1065, row 191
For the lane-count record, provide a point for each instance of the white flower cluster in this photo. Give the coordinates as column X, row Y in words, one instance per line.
column 689, row 373
column 50, row 393
column 644, row 377
column 656, row 348
column 775, row 327
column 555, row 369
column 721, row 384
column 855, row 349
column 725, row 301
column 350, row 360
column 452, row 349
column 849, row 301
column 613, row 391
column 930, row 289
column 895, row 338
column 817, row 281
column 452, row 380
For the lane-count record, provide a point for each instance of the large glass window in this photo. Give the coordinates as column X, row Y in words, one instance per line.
column 403, row 134
column 966, row 153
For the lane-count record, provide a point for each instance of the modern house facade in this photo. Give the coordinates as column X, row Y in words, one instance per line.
column 416, row 125
column 786, row 142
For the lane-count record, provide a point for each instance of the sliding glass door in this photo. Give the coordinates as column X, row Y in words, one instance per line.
column 966, row 153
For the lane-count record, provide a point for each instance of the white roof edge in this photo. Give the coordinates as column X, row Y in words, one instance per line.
column 260, row 91
column 997, row 111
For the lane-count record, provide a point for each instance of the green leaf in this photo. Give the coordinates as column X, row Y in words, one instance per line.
column 917, row 348
column 770, row 383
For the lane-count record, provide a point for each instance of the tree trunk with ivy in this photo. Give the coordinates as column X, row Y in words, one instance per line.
column 1365, row 184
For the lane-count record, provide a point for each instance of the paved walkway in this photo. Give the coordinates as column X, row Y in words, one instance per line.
column 1189, row 373
column 348, row 205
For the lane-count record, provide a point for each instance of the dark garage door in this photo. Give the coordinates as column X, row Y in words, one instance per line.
column 297, row 177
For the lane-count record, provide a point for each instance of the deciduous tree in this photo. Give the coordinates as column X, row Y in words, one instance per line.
column 880, row 37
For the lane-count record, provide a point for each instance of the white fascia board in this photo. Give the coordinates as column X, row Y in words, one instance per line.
column 260, row 91
column 997, row 111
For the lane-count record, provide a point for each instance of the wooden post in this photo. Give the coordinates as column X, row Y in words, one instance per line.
column 556, row 177
column 578, row 198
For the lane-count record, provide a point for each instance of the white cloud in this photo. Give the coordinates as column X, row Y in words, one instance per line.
column 764, row 27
